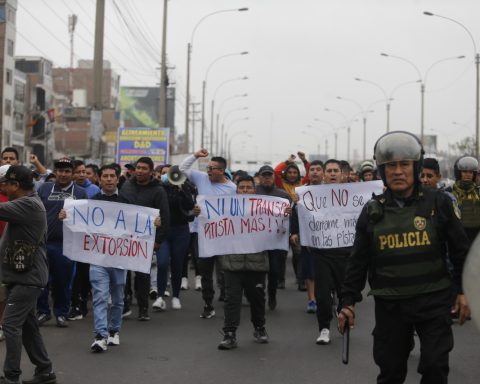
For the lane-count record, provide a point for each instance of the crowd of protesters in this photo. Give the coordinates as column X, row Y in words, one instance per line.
column 74, row 288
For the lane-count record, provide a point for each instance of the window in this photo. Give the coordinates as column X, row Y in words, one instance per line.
column 9, row 77
column 10, row 47
column 11, row 15
column 19, row 91
column 8, row 107
column 2, row 14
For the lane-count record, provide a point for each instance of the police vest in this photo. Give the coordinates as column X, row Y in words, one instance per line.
column 408, row 259
column 470, row 210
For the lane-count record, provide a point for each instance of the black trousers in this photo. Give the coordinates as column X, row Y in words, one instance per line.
column 275, row 259
column 20, row 326
column 329, row 275
column 395, row 322
column 81, row 287
column 253, row 283
column 142, row 288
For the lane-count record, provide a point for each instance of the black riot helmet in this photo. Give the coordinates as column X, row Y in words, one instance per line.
column 398, row 146
column 465, row 163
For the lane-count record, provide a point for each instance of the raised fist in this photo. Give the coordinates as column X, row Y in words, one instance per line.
column 301, row 155
column 201, row 153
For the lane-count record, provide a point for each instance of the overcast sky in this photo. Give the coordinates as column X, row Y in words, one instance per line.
column 302, row 55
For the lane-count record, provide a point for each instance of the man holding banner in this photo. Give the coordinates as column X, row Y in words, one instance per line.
column 244, row 273
column 214, row 182
column 146, row 191
column 401, row 241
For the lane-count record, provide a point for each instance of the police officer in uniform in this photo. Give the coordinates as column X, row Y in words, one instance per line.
column 466, row 192
column 401, row 241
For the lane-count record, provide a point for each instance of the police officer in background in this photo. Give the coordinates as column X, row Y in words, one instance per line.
column 466, row 192
column 401, row 240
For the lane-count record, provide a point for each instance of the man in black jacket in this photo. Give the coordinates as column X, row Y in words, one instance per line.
column 27, row 228
column 144, row 190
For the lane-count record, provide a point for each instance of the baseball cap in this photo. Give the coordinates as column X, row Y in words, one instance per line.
column 265, row 169
column 130, row 166
column 17, row 173
column 64, row 162
column 3, row 170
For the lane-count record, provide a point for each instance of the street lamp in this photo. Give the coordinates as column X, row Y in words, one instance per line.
column 348, row 122
column 364, row 114
column 189, row 59
column 230, row 143
column 217, row 128
column 213, row 107
column 223, row 140
column 422, row 84
column 204, row 86
column 387, row 100
column 477, row 69
column 224, row 135
column 315, row 136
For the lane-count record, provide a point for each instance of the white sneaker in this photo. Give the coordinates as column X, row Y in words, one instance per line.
column 99, row 344
column 198, row 283
column 184, row 285
column 324, row 337
column 113, row 338
column 159, row 304
column 176, row 303
column 166, row 293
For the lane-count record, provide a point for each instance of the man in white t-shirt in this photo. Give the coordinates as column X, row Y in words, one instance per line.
column 212, row 182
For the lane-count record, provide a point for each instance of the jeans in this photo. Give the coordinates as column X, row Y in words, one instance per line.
column 105, row 282
column 21, row 327
column 61, row 271
column 171, row 254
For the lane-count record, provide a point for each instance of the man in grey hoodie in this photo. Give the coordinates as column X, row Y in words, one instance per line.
column 27, row 227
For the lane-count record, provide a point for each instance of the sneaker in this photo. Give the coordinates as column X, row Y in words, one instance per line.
column 75, row 314
column 126, row 312
column 166, row 293
column 159, row 304
column 47, row 378
column 184, row 285
column 176, row 303
column 229, row 341
column 312, row 306
column 62, row 322
column 99, row 344
column 260, row 335
column 324, row 337
column 113, row 338
column 42, row 318
column 208, row 312
column 143, row 315
column 153, row 294
column 198, row 283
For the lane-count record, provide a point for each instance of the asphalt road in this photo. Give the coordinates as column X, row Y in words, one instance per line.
column 180, row 347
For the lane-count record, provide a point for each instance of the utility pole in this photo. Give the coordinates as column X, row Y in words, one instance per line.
column 163, row 72
column 72, row 22
column 96, row 124
column 193, row 119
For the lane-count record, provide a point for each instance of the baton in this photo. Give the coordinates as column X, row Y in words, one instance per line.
column 346, row 342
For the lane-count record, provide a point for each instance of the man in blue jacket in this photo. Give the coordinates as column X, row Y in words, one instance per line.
column 61, row 268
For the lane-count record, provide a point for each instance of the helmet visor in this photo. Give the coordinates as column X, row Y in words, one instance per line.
column 397, row 146
column 467, row 163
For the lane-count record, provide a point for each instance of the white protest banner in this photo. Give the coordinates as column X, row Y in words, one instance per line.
column 240, row 224
column 109, row 234
column 328, row 213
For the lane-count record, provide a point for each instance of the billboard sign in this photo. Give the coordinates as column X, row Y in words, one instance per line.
column 134, row 143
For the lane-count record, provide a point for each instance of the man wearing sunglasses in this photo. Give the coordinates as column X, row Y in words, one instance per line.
column 213, row 182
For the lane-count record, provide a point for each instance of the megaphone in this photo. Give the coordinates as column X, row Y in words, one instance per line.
column 175, row 176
